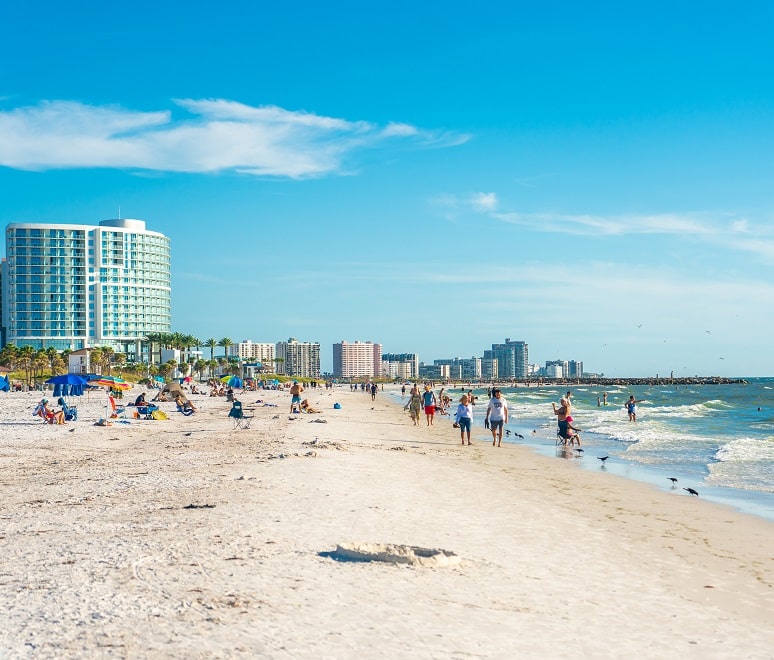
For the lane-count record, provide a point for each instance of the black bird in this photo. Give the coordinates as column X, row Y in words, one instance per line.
column 519, row 435
column 507, row 431
column 603, row 459
column 673, row 480
column 691, row 491
column 579, row 449
column 186, row 434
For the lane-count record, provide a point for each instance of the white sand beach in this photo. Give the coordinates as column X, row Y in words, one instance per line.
column 187, row 538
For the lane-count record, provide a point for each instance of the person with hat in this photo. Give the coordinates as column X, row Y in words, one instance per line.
column 47, row 415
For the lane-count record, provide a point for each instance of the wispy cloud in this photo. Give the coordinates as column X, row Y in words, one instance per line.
column 214, row 135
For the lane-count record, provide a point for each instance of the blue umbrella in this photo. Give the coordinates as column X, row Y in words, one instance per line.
column 68, row 384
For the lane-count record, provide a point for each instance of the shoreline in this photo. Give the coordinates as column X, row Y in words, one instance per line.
column 189, row 538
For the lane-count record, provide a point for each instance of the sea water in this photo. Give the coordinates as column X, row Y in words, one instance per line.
column 716, row 439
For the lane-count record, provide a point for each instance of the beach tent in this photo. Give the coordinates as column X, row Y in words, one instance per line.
column 172, row 389
column 4, row 384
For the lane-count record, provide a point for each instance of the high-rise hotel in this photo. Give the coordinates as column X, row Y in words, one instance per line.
column 78, row 286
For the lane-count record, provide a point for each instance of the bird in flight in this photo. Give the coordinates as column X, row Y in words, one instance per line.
column 603, row 459
column 709, row 332
column 639, row 325
column 691, row 491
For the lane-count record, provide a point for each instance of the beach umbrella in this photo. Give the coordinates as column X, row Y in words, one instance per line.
column 113, row 382
column 231, row 381
column 67, row 384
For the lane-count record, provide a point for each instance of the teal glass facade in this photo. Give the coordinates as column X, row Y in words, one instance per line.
column 73, row 286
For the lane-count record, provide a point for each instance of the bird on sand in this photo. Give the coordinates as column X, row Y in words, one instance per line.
column 691, row 491
column 673, row 480
column 579, row 450
column 603, row 459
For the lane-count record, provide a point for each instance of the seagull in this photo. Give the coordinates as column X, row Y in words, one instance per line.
column 708, row 332
column 519, row 435
column 639, row 325
column 603, row 459
column 579, row 449
column 691, row 491
column 673, row 480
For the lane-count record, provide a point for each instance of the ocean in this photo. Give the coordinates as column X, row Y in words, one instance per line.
column 716, row 439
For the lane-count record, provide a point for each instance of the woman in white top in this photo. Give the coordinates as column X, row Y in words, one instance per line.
column 464, row 417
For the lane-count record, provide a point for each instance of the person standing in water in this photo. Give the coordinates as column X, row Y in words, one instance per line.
column 631, row 408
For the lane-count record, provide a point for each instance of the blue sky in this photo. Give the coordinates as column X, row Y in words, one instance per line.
column 593, row 179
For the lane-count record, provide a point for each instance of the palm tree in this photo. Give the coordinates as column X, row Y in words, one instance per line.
column 96, row 359
column 107, row 357
column 211, row 343
column 225, row 343
column 24, row 359
column 152, row 338
column 9, row 356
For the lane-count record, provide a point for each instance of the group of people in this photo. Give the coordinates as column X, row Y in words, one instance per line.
column 48, row 415
column 495, row 419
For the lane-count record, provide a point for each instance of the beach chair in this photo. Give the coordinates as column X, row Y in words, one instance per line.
column 116, row 410
column 70, row 412
column 184, row 410
column 241, row 421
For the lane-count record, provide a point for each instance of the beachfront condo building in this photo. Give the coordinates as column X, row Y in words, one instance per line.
column 357, row 359
column 512, row 359
column 71, row 286
column 296, row 358
column 400, row 365
column 248, row 351
column 462, row 368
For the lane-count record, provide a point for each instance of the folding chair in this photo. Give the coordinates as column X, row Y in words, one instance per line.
column 117, row 411
column 241, row 421
column 70, row 412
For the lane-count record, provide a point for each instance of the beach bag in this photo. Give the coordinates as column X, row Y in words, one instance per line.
column 159, row 414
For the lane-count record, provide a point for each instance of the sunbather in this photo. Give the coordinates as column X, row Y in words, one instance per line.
column 47, row 415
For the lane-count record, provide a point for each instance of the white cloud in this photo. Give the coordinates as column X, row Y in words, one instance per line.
column 484, row 202
column 216, row 135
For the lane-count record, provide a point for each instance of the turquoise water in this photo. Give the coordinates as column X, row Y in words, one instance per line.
column 717, row 439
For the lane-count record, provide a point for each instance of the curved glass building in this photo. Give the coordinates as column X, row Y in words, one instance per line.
column 76, row 286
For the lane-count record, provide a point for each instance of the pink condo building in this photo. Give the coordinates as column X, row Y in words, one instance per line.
column 357, row 359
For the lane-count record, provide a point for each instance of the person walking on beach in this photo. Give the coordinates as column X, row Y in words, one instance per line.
column 497, row 416
column 464, row 417
column 374, row 390
column 631, row 408
column 429, row 402
column 295, row 396
column 414, row 404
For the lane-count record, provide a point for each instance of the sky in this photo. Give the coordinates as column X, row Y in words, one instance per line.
column 594, row 179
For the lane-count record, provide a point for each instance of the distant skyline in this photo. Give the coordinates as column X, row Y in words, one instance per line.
column 593, row 179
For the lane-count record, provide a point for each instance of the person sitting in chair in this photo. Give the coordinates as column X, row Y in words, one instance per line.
column 184, row 405
column 49, row 416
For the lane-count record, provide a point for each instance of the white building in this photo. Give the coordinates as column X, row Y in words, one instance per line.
column 357, row 359
column 404, row 366
column 295, row 358
column 76, row 286
column 248, row 351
